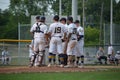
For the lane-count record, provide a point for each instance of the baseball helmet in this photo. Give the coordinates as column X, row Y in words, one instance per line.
column 42, row 19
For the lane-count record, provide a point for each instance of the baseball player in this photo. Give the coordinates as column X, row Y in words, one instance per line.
column 38, row 31
column 56, row 32
column 64, row 56
column 5, row 56
column 110, row 50
column 71, row 40
column 80, row 44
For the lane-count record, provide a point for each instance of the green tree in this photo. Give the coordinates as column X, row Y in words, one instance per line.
column 4, row 20
column 20, row 11
column 91, row 36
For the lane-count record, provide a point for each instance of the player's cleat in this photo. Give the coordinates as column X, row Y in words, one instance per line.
column 49, row 65
column 68, row 66
column 61, row 65
column 31, row 65
column 81, row 66
column 75, row 65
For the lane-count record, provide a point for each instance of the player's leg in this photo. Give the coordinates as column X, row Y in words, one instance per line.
column 73, row 60
column 52, row 48
column 116, row 61
column 81, row 46
column 40, row 55
column 69, row 53
column 64, row 45
column 61, row 58
column 41, row 51
column 76, row 54
column 60, row 51
column 31, row 54
column 33, row 58
column 36, row 51
column 82, row 60
column 3, row 60
column 54, row 58
column 77, row 60
column 7, row 60
column 105, row 58
column 70, row 48
column 50, row 59
column 65, row 59
column 99, row 59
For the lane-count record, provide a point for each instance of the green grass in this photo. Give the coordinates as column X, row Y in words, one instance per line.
column 96, row 75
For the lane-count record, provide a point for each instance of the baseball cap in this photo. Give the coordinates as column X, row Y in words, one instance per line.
column 70, row 19
column 37, row 17
column 77, row 21
column 63, row 19
column 56, row 17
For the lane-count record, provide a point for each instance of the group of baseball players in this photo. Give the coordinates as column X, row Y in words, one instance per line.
column 63, row 37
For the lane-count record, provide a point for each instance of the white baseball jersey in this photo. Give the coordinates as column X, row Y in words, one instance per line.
column 66, row 27
column 72, row 29
column 79, row 50
column 110, row 50
column 5, row 53
column 5, row 56
column 80, row 30
column 39, row 30
column 57, row 31
column 73, row 39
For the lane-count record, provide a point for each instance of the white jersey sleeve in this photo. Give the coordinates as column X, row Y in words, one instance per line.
column 80, row 30
column 73, row 30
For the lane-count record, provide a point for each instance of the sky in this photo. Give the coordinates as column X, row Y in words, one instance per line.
column 4, row 4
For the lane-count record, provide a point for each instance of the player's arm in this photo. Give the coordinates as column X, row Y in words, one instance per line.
column 80, row 37
column 32, row 32
column 69, row 35
column 48, row 35
column 98, row 54
column 32, row 35
column 80, row 34
column 65, row 34
column 66, row 43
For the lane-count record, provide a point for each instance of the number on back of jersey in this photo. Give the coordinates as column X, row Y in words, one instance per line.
column 57, row 30
column 74, row 31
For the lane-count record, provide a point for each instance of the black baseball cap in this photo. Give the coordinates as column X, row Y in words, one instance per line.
column 37, row 17
column 56, row 18
column 77, row 21
column 63, row 19
column 70, row 19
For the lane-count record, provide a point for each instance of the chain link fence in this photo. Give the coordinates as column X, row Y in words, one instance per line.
column 19, row 52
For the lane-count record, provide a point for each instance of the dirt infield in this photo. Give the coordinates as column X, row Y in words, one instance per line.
column 25, row 69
